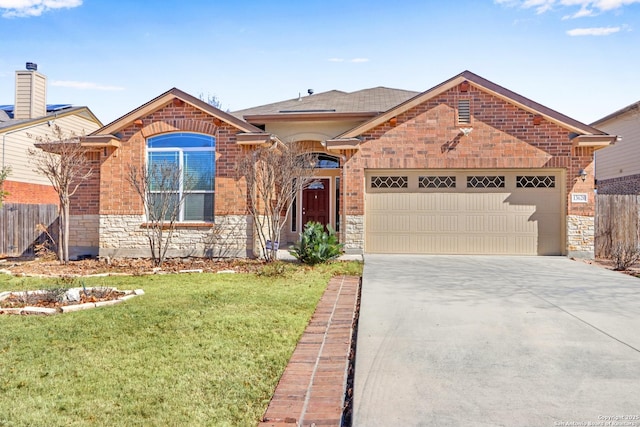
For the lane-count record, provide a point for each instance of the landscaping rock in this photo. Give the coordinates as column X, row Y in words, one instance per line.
column 72, row 295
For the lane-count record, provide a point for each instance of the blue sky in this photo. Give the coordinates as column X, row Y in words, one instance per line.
column 579, row 57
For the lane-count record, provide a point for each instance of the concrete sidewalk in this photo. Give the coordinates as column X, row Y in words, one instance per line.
column 496, row 341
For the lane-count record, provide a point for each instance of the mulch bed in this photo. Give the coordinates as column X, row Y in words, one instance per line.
column 132, row 266
column 49, row 300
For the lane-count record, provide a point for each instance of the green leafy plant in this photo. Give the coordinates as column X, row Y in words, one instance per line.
column 317, row 245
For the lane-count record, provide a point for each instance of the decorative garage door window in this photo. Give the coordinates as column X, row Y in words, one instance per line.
column 437, row 182
column 484, row 181
column 389, row 182
column 537, row 181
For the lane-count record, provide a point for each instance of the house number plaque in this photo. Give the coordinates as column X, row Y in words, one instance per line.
column 579, row 198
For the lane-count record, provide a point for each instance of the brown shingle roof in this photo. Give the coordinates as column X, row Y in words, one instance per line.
column 374, row 100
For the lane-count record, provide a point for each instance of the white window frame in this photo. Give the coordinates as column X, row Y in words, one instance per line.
column 181, row 152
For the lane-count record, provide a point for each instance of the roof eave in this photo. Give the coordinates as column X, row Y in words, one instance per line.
column 50, row 117
column 97, row 142
column 616, row 114
column 342, row 144
column 256, row 139
column 594, row 141
column 393, row 112
column 486, row 86
column 166, row 97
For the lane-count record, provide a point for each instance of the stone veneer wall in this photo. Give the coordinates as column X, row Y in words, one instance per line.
column 83, row 235
column 122, row 237
column 580, row 236
column 354, row 234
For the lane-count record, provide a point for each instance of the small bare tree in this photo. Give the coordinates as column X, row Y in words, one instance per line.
column 274, row 177
column 64, row 161
column 162, row 189
column 4, row 174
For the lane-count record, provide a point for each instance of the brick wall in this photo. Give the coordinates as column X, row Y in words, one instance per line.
column 622, row 185
column 503, row 136
column 117, row 197
column 109, row 194
column 22, row 192
column 86, row 201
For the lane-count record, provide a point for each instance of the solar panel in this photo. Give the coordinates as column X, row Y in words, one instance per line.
column 51, row 108
column 57, row 107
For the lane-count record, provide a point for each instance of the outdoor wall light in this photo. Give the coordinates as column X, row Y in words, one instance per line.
column 583, row 174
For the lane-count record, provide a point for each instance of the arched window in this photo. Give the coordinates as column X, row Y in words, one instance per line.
column 194, row 155
column 326, row 161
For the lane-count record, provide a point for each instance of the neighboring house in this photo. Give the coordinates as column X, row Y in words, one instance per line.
column 467, row 167
column 618, row 166
column 30, row 117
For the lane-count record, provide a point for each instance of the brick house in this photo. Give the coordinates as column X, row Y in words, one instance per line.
column 466, row 167
column 618, row 166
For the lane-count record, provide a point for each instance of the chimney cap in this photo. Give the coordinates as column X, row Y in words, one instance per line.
column 32, row 66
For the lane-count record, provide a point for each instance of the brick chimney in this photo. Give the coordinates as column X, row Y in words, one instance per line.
column 31, row 93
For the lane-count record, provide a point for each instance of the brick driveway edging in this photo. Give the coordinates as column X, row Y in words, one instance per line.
column 311, row 390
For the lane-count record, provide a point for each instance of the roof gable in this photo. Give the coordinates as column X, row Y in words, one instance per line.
column 167, row 97
column 616, row 114
column 483, row 85
column 84, row 112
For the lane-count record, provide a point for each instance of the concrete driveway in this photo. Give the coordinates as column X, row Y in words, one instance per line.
column 496, row 341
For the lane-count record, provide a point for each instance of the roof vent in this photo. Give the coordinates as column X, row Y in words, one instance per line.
column 32, row 66
column 464, row 112
column 310, row 91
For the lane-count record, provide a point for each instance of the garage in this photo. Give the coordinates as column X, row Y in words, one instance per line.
column 493, row 212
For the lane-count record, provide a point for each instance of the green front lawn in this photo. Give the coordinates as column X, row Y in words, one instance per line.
column 196, row 349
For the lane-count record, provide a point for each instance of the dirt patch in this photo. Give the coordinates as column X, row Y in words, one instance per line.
column 52, row 268
column 634, row 270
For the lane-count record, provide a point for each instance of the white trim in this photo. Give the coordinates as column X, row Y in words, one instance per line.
column 181, row 151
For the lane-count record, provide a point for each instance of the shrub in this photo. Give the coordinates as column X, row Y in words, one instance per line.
column 624, row 256
column 316, row 245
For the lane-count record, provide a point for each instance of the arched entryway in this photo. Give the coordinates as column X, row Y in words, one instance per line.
column 320, row 201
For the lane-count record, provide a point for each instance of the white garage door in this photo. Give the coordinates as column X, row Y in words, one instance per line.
column 497, row 212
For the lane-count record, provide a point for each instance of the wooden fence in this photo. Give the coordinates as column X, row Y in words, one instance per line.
column 19, row 227
column 617, row 222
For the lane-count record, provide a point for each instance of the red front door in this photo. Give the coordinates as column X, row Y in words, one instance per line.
column 315, row 202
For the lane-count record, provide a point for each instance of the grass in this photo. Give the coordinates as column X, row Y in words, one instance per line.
column 196, row 349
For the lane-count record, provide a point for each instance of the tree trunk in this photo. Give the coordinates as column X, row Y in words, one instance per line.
column 60, row 232
column 66, row 232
